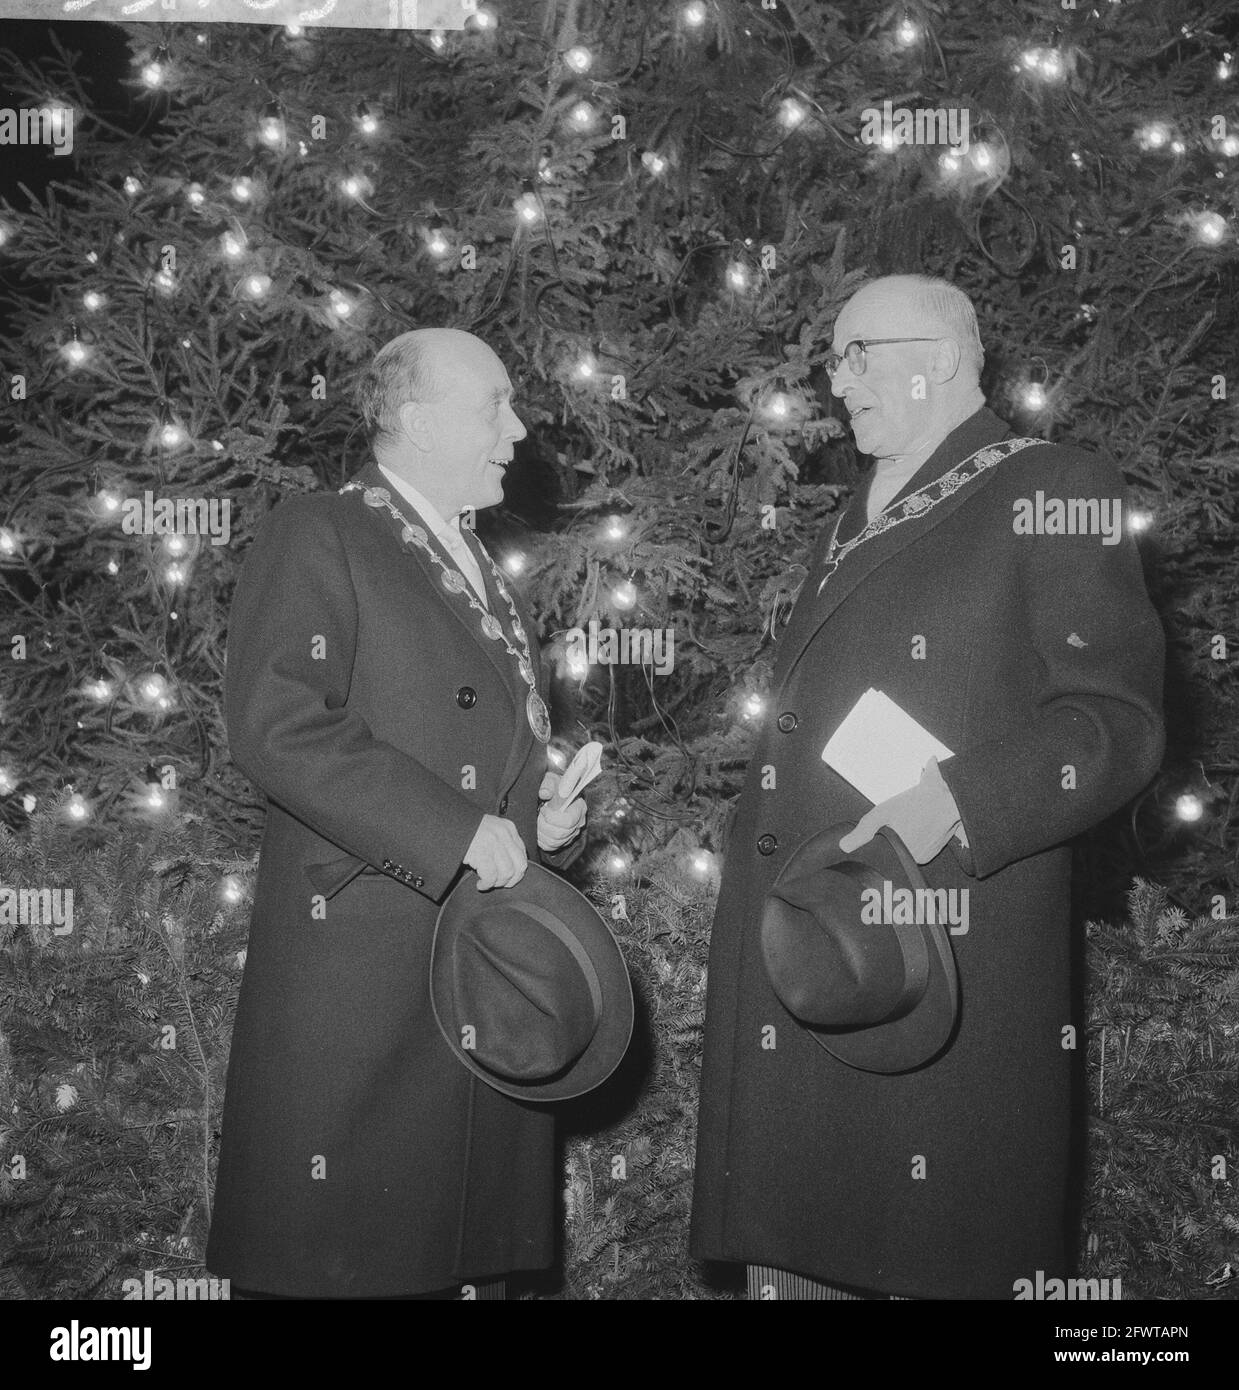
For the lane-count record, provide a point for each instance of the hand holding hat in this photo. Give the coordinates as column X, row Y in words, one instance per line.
column 924, row 817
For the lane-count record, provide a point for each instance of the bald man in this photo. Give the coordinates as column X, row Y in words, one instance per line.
column 384, row 691
column 925, row 1154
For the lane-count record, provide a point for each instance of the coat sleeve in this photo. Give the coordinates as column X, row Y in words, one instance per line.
column 1093, row 735
column 289, row 726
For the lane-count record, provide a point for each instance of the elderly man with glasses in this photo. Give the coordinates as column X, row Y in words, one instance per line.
column 1033, row 654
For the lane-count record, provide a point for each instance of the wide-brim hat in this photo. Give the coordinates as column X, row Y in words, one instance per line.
column 882, row 996
column 529, row 987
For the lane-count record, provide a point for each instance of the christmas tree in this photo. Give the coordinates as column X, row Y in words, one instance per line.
column 653, row 213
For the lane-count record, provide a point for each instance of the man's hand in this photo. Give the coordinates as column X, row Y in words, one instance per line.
column 557, row 823
column 923, row 817
column 498, row 854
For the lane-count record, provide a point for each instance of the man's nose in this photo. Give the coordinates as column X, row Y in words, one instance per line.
column 520, row 431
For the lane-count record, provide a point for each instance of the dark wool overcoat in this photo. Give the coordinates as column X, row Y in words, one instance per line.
column 358, row 1156
column 1041, row 669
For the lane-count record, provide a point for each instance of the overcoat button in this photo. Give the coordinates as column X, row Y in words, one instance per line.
column 767, row 844
column 466, row 697
column 503, row 805
column 787, row 722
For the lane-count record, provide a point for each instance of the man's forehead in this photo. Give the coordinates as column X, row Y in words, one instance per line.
column 876, row 315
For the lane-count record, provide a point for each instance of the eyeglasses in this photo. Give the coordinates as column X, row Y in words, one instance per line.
column 854, row 353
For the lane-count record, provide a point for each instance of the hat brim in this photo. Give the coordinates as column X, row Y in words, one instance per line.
column 923, row 1034
column 546, row 890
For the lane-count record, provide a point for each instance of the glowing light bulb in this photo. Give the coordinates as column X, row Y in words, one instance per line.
column 108, row 501
column 485, row 19
column 195, row 196
column 585, row 369
column 950, row 161
column 99, row 690
column 437, row 40
column 1189, row 807
column 791, row 113
column 754, row 705
column 367, row 121
column 1230, row 146
column 132, row 186
column 778, row 407
column 582, row 115
column 293, row 31
column 1076, row 159
column 1031, row 58
column 77, row 807
column 982, row 156
column 624, row 595
column 907, row 33
column 232, row 245
column 230, row 889
column 6, row 781
column 654, row 162
column 153, row 687
column 615, row 529
column 1210, row 227
column 738, row 275
column 112, row 566
column 1224, row 69
column 155, row 799
column 1177, row 146
column 578, row 664
column 352, row 185
column 341, row 304
column 92, row 300
column 1051, row 66
column 1139, row 521
column 694, row 14
column 579, row 58
column 1153, row 136
column 514, row 563
column 271, row 130
column 153, row 74
column 887, row 141
column 172, row 436
column 617, row 862
column 256, row 286
column 243, row 189
column 8, row 541
column 1034, row 396
column 556, row 758
column 165, row 282
column 175, row 545
column 528, row 208
column 702, row 862
column 76, row 352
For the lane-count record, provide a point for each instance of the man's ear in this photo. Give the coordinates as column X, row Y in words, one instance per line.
column 415, row 426
column 945, row 365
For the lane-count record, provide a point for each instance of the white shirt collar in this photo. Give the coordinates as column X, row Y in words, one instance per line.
column 428, row 511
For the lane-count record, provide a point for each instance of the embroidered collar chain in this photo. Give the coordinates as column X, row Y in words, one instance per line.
column 455, row 583
column 926, row 498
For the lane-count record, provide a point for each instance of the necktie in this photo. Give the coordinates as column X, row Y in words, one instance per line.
column 465, row 561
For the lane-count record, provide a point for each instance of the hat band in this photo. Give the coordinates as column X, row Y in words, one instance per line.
column 579, row 953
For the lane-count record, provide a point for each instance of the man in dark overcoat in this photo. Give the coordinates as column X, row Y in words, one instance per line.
column 1033, row 653
column 384, row 691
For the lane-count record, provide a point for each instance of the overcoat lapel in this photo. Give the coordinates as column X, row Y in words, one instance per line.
column 370, row 476
column 815, row 604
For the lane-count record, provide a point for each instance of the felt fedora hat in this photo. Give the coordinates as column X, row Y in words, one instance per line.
column 882, row 996
column 529, row 987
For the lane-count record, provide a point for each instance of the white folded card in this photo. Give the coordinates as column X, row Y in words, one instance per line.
column 579, row 773
column 880, row 749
